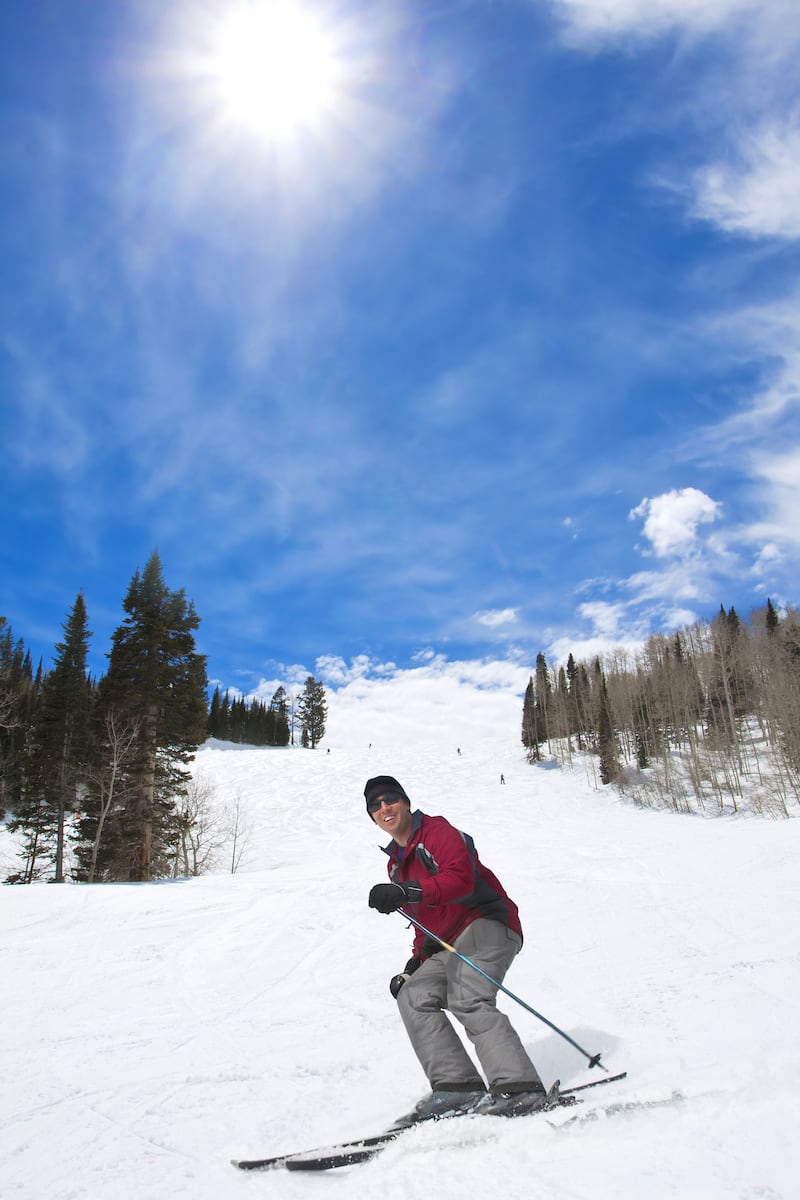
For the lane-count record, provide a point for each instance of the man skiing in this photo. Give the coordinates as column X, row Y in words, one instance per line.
column 437, row 877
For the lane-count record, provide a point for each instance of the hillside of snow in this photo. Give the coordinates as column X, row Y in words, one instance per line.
column 152, row 1032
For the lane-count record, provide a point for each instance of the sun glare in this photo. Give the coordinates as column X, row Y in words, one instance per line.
column 274, row 69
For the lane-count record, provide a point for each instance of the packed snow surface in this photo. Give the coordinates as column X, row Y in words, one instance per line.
column 153, row 1032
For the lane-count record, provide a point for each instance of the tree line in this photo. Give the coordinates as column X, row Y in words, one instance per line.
column 693, row 719
column 236, row 719
column 94, row 772
column 99, row 767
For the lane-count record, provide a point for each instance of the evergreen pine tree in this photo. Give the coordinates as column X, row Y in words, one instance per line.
column 578, row 709
column 213, row 723
column 607, row 748
column 19, row 696
column 313, row 712
column 58, row 754
column 544, row 690
column 279, row 708
column 7, row 705
column 530, row 733
column 156, row 683
column 225, row 718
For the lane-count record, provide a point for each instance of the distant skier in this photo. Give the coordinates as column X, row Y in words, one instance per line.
column 438, row 878
column 502, row 777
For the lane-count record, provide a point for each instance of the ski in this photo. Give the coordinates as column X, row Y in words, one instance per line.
column 363, row 1149
column 280, row 1160
column 624, row 1107
column 348, row 1156
column 342, row 1156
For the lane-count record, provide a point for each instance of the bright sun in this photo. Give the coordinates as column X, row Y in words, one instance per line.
column 274, row 69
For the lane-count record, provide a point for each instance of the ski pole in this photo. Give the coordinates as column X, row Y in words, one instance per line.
column 594, row 1059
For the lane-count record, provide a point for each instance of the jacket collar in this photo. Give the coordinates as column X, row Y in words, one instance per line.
column 393, row 849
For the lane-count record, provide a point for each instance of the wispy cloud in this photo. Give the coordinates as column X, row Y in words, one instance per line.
column 646, row 18
column 751, row 185
column 497, row 616
column 404, row 390
column 759, row 437
column 778, row 526
column 334, row 669
column 735, row 165
column 757, row 194
column 766, row 333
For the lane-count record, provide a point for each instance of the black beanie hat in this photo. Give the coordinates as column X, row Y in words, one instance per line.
column 383, row 785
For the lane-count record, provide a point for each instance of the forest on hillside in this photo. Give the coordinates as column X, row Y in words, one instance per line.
column 94, row 773
column 696, row 720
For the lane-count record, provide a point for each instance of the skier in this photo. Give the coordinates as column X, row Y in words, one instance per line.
column 437, row 877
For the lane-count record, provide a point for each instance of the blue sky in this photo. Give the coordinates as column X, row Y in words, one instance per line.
column 494, row 348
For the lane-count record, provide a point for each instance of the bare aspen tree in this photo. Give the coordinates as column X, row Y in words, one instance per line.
column 121, row 736
column 707, row 718
column 239, row 831
column 202, row 829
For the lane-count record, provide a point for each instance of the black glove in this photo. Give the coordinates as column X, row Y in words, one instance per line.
column 397, row 981
column 388, row 897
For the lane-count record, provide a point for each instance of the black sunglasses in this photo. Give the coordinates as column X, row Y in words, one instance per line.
column 374, row 805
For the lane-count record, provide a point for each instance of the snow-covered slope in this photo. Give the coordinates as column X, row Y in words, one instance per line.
column 153, row 1032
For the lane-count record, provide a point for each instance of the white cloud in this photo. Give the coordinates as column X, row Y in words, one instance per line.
column 424, row 656
column 768, row 560
column 671, row 520
column 760, row 437
column 783, row 471
column 682, row 581
column 497, row 616
column 606, row 618
column 758, row 194
column 769, row 554
column 646, row 18
column 442, row 703
column 779, row 528
column 613, row 628
column 292, row 678
column 768, row 332
column 679, row 618
column 750, row 181
column 335, row 671
column 587, row 647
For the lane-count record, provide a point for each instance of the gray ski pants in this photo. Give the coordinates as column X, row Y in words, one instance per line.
column 445, row 982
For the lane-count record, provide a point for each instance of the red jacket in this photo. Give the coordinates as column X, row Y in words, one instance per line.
column 457, row 888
